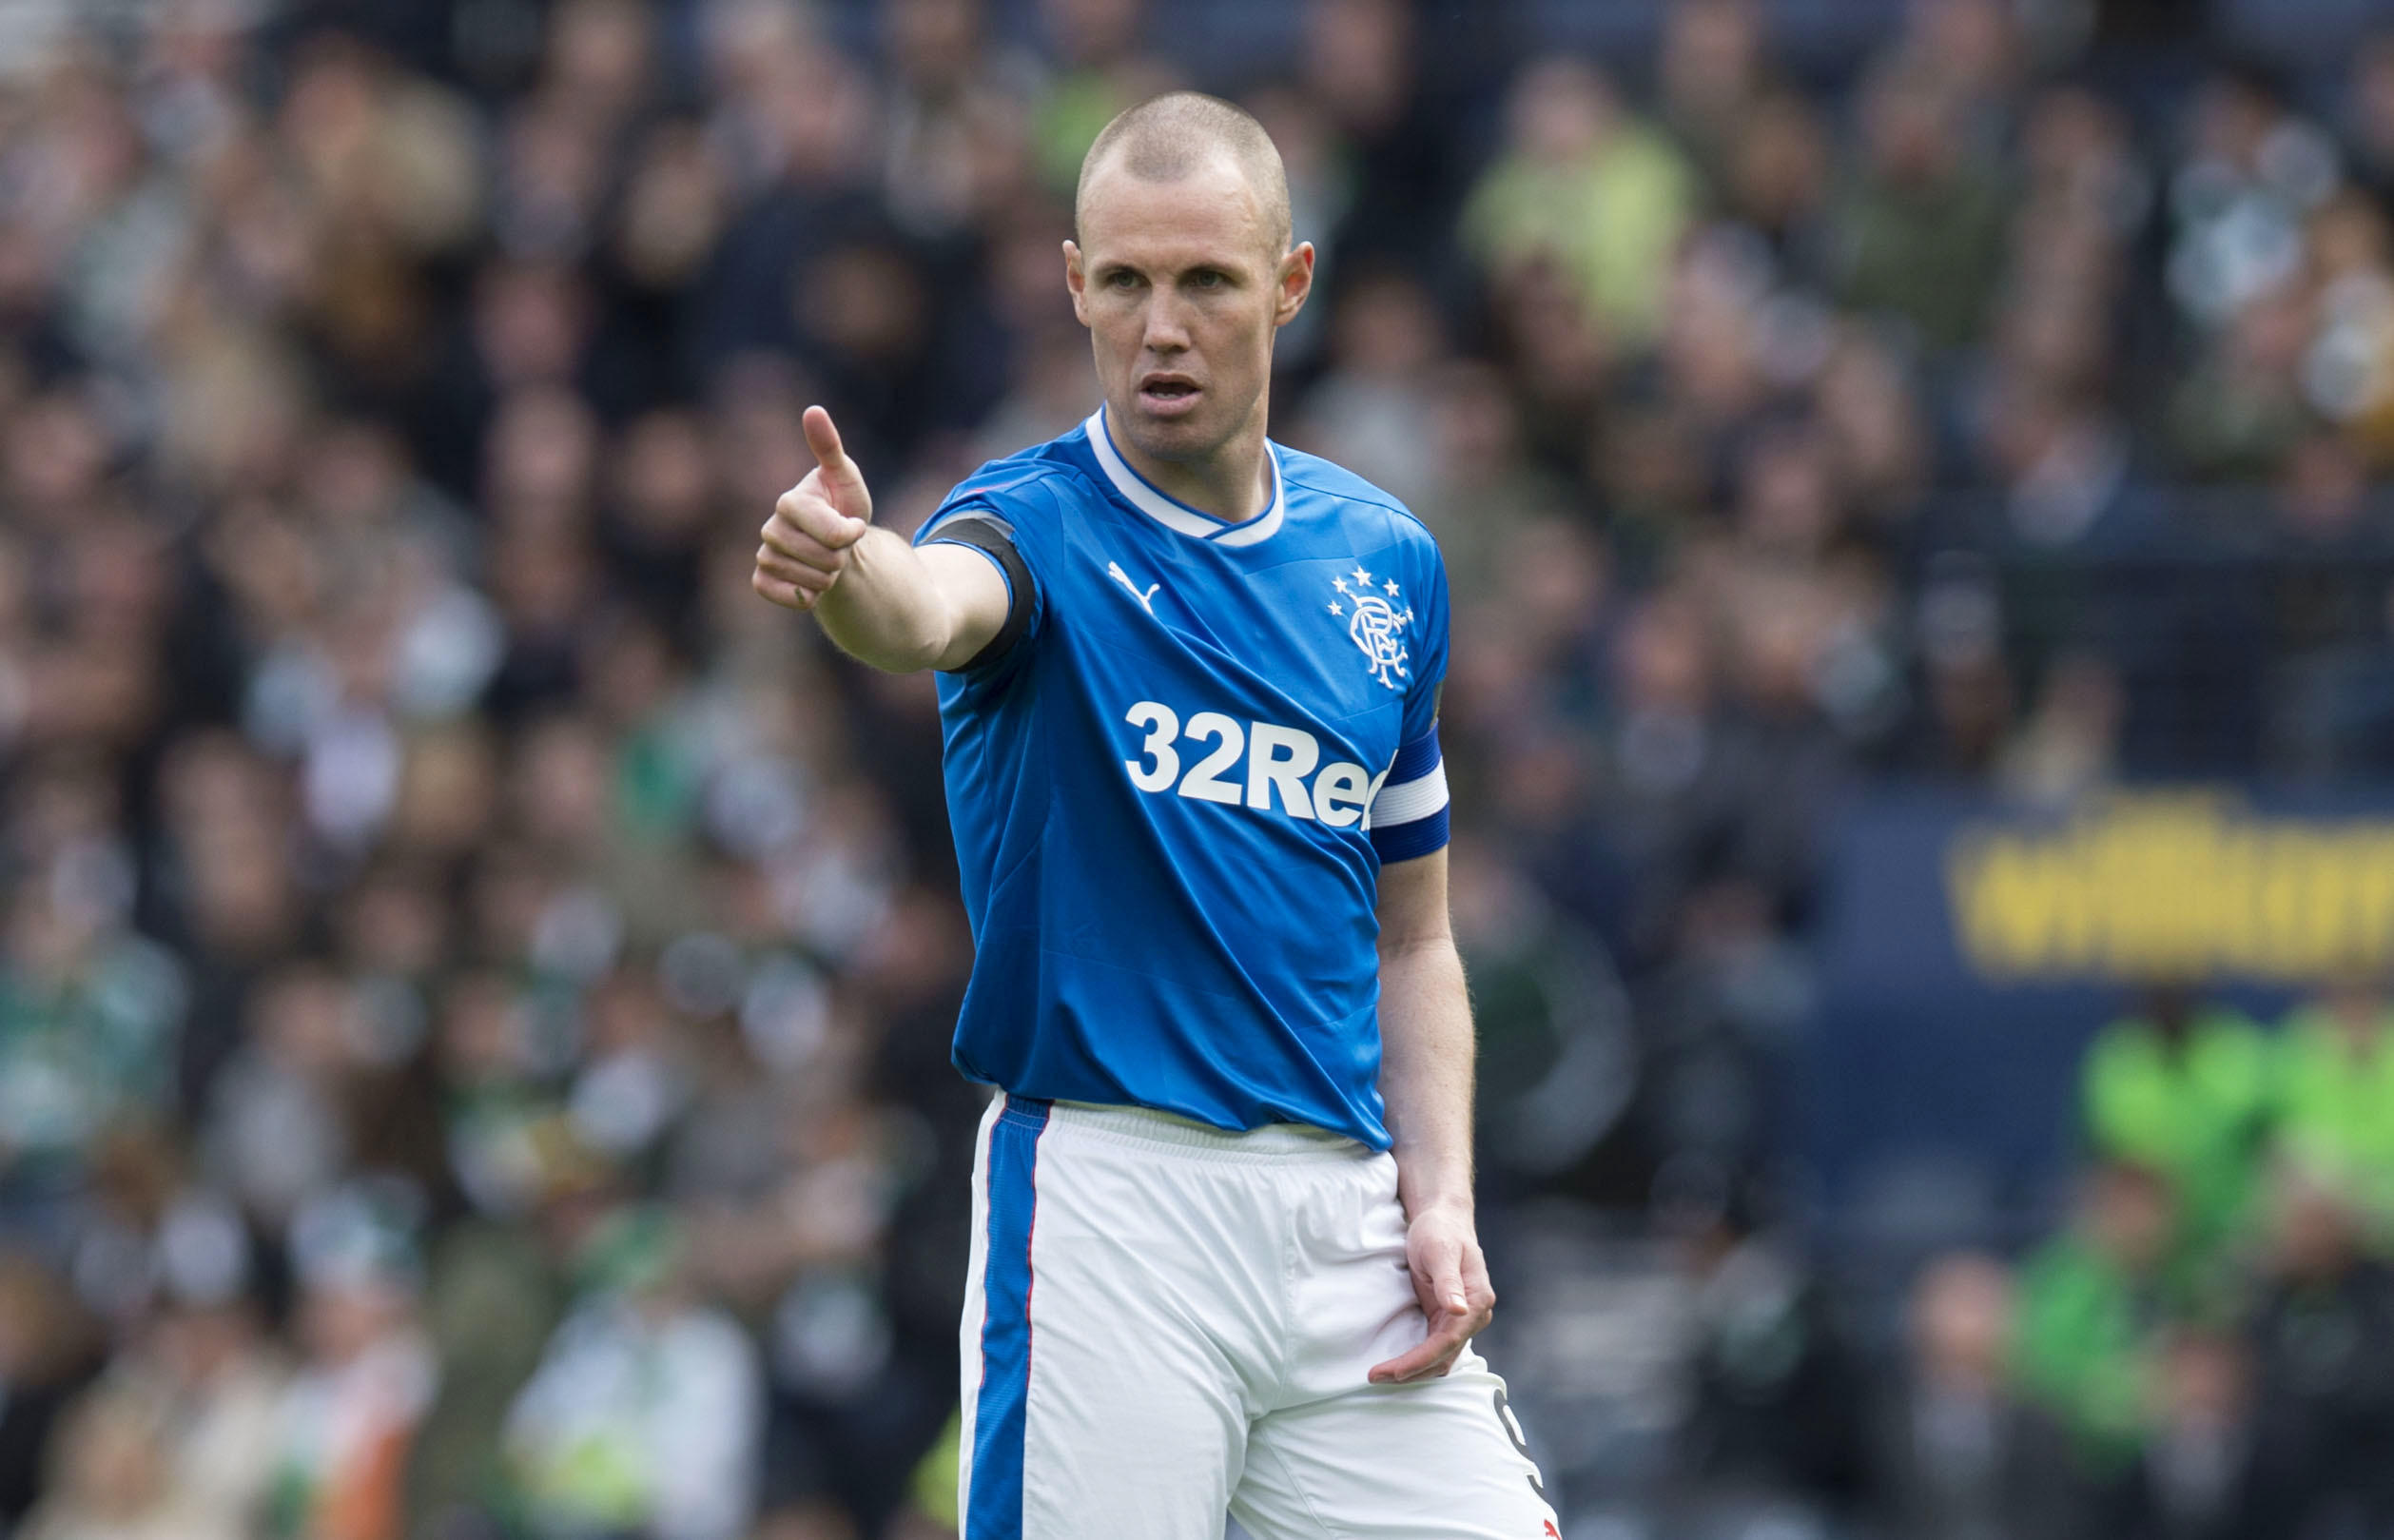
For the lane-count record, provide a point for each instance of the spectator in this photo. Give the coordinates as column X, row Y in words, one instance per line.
column 1586, row 187
column 114, row 1481
column 213, row 1380
column 2337, row 1095
column 495, row 1289
column 89, row 1016
column 644, row 1414
column 2070, row 745
column 2325, row 1412
column 277, row 1135
column 365, row 1376
column 2187, row 1091
column 2241, row 408
column 1100, row 71
column 1916, row 233
column 2370, row 108
column 1360, row 62
column 2203, row 1475
column 49, row 1350
column 2091, row 1303
column 2254, row 170
column 1955, row 1453
column 1715, row 80
column 1373, row 411
column 1777, row 1418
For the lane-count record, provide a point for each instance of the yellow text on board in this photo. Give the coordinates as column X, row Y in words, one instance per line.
column 2184, row 884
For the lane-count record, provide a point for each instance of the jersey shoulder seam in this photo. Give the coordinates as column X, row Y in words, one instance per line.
column 964, row 496
column 1003, row 497
column 1387, row 502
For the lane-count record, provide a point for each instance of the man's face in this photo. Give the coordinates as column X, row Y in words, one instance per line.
column 1181, row 287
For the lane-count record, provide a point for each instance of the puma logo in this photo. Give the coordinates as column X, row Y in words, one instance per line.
column 1146, row 600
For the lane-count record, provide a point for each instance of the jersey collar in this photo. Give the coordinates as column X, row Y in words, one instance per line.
column 1173, row 514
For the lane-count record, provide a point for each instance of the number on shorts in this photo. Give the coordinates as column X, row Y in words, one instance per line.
column 1512, row 1424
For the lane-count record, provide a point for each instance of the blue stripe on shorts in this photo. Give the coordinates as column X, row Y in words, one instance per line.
column 996, row 1491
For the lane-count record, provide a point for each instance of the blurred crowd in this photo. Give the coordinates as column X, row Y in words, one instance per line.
column 2203, row 1349
column 474, row 982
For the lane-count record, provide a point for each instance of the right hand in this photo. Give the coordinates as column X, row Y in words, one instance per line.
column 814, row 524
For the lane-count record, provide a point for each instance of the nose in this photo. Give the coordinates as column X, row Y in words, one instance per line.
column 1167, row 329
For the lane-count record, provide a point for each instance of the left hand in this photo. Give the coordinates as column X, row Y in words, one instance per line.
column 1442, row 1251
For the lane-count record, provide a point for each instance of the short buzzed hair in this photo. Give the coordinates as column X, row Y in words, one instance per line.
column 1168, row 137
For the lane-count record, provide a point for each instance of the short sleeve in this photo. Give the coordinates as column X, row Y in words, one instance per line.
column 979, row 527
column 1426, row 672
column 1408, row 815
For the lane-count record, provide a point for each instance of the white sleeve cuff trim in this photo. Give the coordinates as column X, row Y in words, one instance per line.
column 1413, row 800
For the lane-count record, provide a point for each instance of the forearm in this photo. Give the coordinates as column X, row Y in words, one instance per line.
column 1426, row 1057
column 1426, row 1053
column 888, row 610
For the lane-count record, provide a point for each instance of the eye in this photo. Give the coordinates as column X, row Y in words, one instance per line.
column 1207, row 278
column 1122, row 278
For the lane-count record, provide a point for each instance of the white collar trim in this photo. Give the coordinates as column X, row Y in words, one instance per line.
column 1173, row 514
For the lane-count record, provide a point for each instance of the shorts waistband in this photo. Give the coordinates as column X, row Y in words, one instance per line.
column 1145, row 1125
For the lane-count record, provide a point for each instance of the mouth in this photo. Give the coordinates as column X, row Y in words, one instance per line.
column 1169, row 395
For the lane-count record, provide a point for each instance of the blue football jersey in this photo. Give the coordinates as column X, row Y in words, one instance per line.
column 1174, row 777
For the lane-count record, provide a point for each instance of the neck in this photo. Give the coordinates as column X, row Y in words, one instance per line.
column 1233, row 483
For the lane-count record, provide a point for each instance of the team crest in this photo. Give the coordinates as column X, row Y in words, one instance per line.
column 1374, row 623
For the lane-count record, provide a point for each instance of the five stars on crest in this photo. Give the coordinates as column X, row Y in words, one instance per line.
column 1363, row 586
column 1377, row 626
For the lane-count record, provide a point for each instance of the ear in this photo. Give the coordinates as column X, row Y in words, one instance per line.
column 1076, row 279
column 1295, row 283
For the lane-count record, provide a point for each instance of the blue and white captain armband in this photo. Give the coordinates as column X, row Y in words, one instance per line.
column 1408, row 814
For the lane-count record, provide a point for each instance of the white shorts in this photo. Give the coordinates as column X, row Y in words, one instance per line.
column 1166, row 1323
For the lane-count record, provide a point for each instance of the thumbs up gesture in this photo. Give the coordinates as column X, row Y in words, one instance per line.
column 814, row 524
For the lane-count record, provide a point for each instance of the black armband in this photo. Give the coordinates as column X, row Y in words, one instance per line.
column 994, row 538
